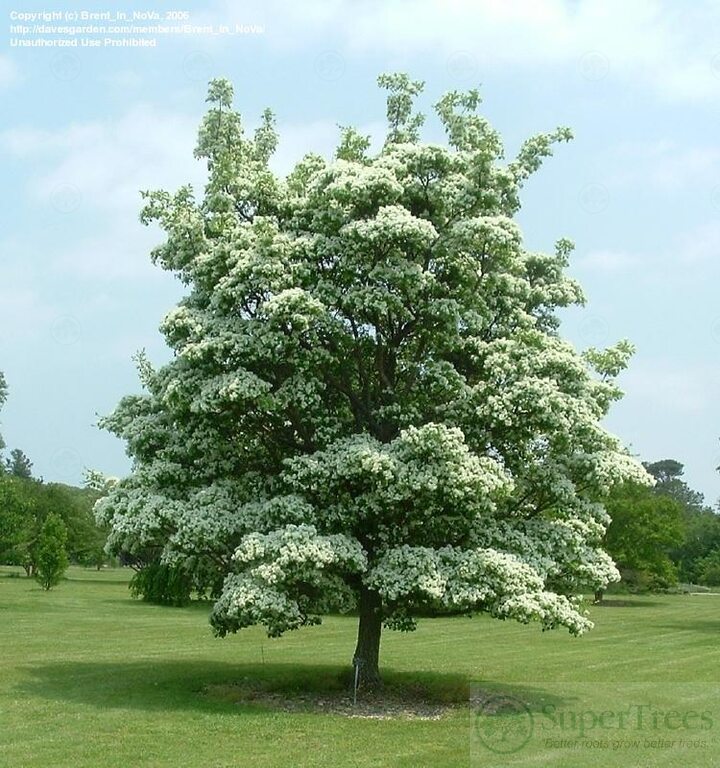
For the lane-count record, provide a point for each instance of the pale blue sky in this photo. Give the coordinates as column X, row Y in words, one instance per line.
column 83, row 129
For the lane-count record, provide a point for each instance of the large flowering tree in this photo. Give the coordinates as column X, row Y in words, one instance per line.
column 369, row 404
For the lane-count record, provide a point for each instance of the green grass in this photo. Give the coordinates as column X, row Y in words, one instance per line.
column 89, row 677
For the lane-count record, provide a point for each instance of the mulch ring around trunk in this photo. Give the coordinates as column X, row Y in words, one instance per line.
column 383, row 705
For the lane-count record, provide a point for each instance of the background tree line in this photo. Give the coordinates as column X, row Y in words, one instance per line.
column 665, row 534
column 37, row 517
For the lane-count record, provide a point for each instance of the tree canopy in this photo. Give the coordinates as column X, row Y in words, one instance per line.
column 646, row 526
column 369, row 404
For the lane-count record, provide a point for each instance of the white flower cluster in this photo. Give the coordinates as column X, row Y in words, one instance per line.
column 301, row 545
column 564, row 549
column 279, row 570
column 135, row 515
column 293, row 308
column 550, row 609
column 355, row 185
column 392, row 225
column 246, row 601
column 481, row 579
column 237, row 387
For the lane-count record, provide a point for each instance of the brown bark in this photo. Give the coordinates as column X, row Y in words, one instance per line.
column 367, row 650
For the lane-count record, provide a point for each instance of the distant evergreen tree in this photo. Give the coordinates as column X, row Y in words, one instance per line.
column 668, row 475
column 19, row 465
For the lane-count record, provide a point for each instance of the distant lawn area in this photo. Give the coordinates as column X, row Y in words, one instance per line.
column 91, row 678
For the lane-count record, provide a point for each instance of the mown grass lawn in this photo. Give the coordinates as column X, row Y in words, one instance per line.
column 89, row 677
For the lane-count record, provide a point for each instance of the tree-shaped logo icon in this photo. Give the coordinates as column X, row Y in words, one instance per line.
column 504, row 724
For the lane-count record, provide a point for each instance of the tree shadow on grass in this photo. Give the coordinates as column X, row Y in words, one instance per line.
column 711, row 626
column 96, row 577
column 194, row 606
column 609, row 602
column 219, row 687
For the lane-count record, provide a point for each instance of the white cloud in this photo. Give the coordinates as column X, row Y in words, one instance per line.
column 9, row 74
column 686, row 257
column 23, row 313
column 120, row 251
column 124, row 79
column 93, row 172
column 608, row 261
column 672, row 387
column 648, row 42
column 701, row 246
column 106, row 163
column 663, row 165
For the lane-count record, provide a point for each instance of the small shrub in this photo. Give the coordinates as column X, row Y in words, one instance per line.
column 162, row 584
column 709, row 569
column 52, row 559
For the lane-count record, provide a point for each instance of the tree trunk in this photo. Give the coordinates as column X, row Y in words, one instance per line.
column 599, row 593
column 367, row 650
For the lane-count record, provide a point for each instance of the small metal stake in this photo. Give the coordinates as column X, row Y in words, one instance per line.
column 357, row 663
